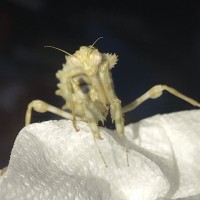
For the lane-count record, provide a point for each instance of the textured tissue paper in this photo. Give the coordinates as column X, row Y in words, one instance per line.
column 51, row 161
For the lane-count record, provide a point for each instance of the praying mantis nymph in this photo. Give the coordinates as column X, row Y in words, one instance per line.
column 86, row 85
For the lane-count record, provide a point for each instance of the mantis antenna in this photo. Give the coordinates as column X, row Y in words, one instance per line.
column 58, row 50
column 96, row 41
column 66, row 51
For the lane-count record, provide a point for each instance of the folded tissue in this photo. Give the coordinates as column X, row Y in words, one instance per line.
column 51, row 161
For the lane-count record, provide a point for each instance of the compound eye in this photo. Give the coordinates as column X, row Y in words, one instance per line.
column 85, row 88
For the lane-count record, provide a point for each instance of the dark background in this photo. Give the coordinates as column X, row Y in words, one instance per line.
column 156, row 43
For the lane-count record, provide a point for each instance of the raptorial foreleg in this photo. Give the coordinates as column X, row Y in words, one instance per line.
column 92, row 119
column 92, row 116
column 117, row 116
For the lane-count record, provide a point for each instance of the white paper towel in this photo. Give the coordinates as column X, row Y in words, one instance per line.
column 51, row 161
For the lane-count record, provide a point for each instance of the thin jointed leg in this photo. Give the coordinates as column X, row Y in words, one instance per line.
column 42, row 107
column 156, row 92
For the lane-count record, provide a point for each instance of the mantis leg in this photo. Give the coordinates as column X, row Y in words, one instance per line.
column 156, row 92
column 42, row 107
column 117, row 116
column 91, row 120
column 71, row 102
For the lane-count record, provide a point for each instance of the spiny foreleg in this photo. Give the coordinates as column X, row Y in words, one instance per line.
column 92, row 116
column 117, row 117
column 71, row 102
column 115, row 104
